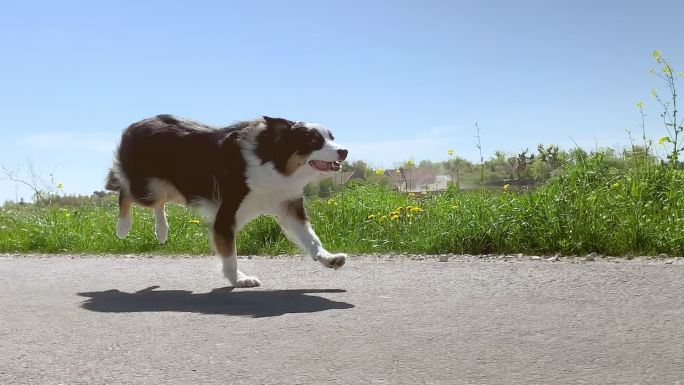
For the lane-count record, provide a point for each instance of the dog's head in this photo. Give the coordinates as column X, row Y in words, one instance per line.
column 306, row 149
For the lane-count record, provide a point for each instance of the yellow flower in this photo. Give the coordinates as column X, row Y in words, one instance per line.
column 640, row 105
column 332, row 202
column 393, row 213
column 451, row 152
column 664, row 139
column 657, row 55
column 506, row 187
column 194, row 221
column 415, row 209
column 383, row 218
column 654, row 93
column 60, row 186
column 379, row 171
column 394, row 217
column 371, row 216
column 454, row 206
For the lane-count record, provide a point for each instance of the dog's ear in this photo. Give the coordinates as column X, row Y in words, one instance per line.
column 278, row 123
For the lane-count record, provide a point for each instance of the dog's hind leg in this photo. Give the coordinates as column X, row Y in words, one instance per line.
column 161, row 226
column 123, row 226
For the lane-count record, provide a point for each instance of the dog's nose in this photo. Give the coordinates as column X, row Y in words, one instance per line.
column 343, row 154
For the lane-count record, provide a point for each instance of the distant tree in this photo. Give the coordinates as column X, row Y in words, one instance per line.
column 428, row 164
column 550, row 155
column 497, row 162
column 457, row 165
column 359, row 165
column 521, row 162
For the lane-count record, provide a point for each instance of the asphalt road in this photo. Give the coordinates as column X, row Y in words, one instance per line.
column 375, row 321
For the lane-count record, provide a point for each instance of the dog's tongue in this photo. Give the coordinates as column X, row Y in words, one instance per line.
column 321, row 165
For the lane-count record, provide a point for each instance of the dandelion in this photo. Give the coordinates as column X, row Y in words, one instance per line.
column 394, row 217
column 379, row 171
column 415, row 209
column 506, row 187
column 371, row 217
column 332, row 202
column 393, row 213
column 60, row 186
column 194, row 221
column 383, row 218
column 451, row 152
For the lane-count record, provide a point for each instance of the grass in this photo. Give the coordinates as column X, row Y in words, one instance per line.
column 591, row 207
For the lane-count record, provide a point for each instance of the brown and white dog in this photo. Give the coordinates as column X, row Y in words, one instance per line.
column 232, row 174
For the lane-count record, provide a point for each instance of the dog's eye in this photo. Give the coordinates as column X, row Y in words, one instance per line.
column 311, row 139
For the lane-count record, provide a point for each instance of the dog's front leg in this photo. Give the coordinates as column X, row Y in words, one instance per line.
column 295, row 224
column 224, row 241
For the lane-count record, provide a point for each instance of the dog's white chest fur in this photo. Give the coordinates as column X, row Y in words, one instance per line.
column 256, row 204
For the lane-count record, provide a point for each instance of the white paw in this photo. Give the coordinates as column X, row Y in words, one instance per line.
column 123, row 226
column 334, row 261
column 247, row 282
column 162, row 232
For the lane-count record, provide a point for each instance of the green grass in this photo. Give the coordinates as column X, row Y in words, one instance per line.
column 591, row 207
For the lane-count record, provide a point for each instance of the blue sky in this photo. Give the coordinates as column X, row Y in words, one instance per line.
column 393, row 79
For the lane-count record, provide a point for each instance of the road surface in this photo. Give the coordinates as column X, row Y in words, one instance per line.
column 378, row 320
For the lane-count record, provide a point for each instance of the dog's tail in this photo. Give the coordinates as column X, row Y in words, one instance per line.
column 113, row 182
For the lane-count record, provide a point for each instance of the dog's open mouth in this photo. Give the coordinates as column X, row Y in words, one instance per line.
column 325, row 166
